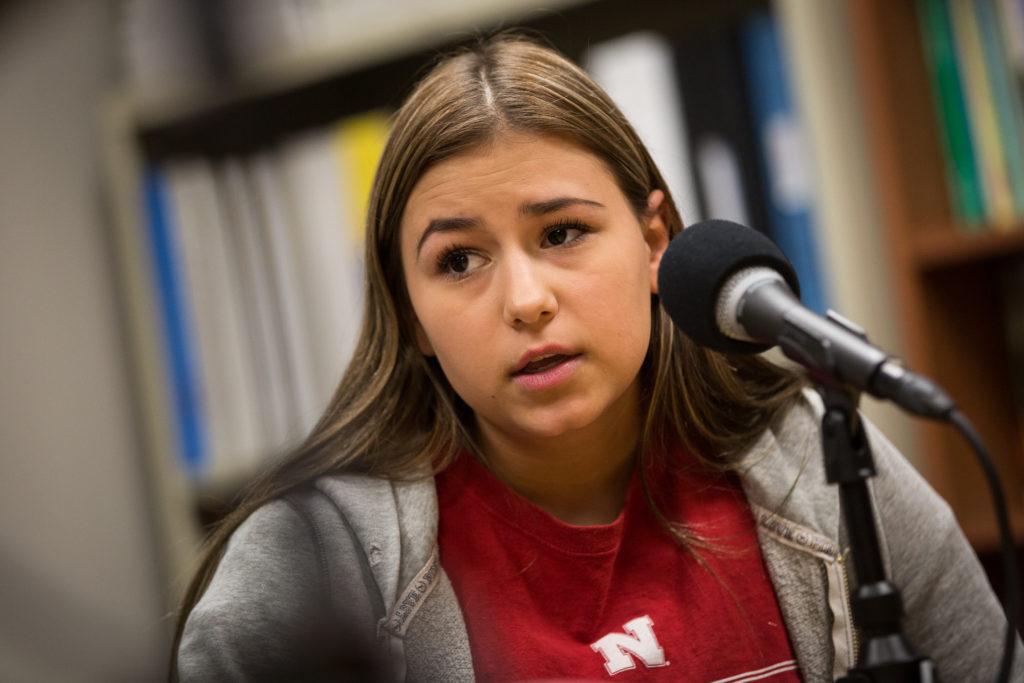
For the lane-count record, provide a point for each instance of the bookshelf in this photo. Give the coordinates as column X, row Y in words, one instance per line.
column 947, row 278
column 944, row 279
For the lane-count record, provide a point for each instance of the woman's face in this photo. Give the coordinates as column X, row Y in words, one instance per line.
column 530, row 277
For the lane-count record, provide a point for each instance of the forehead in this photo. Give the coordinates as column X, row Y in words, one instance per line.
column 501, row 174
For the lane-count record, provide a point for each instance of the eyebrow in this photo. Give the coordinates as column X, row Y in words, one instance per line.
column 556, row 204
column 446, row 225
column 527, row 209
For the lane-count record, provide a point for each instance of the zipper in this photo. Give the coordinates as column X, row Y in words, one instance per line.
column 854, row 633
column 831, row 558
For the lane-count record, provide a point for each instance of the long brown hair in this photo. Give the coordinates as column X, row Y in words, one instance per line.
column 713, row 404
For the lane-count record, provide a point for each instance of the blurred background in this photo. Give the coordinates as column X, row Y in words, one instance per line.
column 182, row 192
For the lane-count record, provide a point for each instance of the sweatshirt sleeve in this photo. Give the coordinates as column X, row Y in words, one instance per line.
column 268, row 613
column 951, row 612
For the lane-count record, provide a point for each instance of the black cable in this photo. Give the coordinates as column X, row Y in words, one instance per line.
column 1011, row 600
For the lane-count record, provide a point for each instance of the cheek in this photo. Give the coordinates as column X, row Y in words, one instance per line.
column 467, row 369
column 457, row 333
column 617, row 302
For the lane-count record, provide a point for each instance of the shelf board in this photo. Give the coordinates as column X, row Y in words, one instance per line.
column 955, row 246
column 983, row 532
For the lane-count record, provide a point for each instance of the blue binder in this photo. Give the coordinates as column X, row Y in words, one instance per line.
column 780, row 136
column 176, row 322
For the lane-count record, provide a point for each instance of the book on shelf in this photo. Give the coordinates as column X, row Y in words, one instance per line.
column 715, row 113
column 1011, row 20
column 257, row 260
column 784, row 155
column 1008, row 100
column 961, row 162
column 974, row 54
column 638, row 72
column 186, row 404
column 981, row 113
column 321, row 233
column 271, row 390
column 724, row 155
column 211, row 280
column 359, row 144
column 287, row 300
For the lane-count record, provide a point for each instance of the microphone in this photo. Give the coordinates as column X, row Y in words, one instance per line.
column 729, row 288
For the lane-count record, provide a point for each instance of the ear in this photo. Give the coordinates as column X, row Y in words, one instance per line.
column 655, row 234
column 422, row 341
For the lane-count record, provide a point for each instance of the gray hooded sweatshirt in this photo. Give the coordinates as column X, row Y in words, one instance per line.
column 350, row 565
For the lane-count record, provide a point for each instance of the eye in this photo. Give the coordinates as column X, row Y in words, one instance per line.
column 565, row 232
column 457, row 263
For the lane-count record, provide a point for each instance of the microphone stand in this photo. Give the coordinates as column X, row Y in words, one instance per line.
column 884, row 654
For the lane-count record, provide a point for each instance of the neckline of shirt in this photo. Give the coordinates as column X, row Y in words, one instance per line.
column 467, row 476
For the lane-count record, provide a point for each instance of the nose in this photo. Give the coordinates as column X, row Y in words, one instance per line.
column 529, row 299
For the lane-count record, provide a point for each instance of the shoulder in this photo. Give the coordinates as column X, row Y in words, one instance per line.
column 925, row 552
column 783, row 471
column 287, row 585
column 786, row 470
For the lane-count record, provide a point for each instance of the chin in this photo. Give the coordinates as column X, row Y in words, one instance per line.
column 556, row 423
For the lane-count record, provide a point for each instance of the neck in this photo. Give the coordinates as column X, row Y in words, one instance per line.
column 579, row 477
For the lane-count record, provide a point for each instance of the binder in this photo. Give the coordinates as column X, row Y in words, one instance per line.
column 784, row 157
column 176, row 321
column 720, row 129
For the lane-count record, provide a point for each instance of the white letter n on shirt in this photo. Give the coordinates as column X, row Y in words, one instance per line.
column 618, row 649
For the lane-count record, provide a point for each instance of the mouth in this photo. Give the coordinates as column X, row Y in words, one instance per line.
column 543, row 357
column 546, row 367
column 546, row 372
column 544, row 363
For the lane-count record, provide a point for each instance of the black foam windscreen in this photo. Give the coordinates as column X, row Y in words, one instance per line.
column 697, row 263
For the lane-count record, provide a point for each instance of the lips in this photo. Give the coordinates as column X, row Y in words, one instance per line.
column 545, row 363
column 547, row 373
column 542, row 358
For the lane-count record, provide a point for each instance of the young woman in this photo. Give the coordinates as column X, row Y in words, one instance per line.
column 526, row 472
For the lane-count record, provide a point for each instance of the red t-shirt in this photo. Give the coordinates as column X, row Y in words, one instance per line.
column 544, row 600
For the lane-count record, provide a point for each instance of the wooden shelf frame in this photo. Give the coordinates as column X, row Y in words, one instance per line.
column 951, row 246
column 946, row 279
